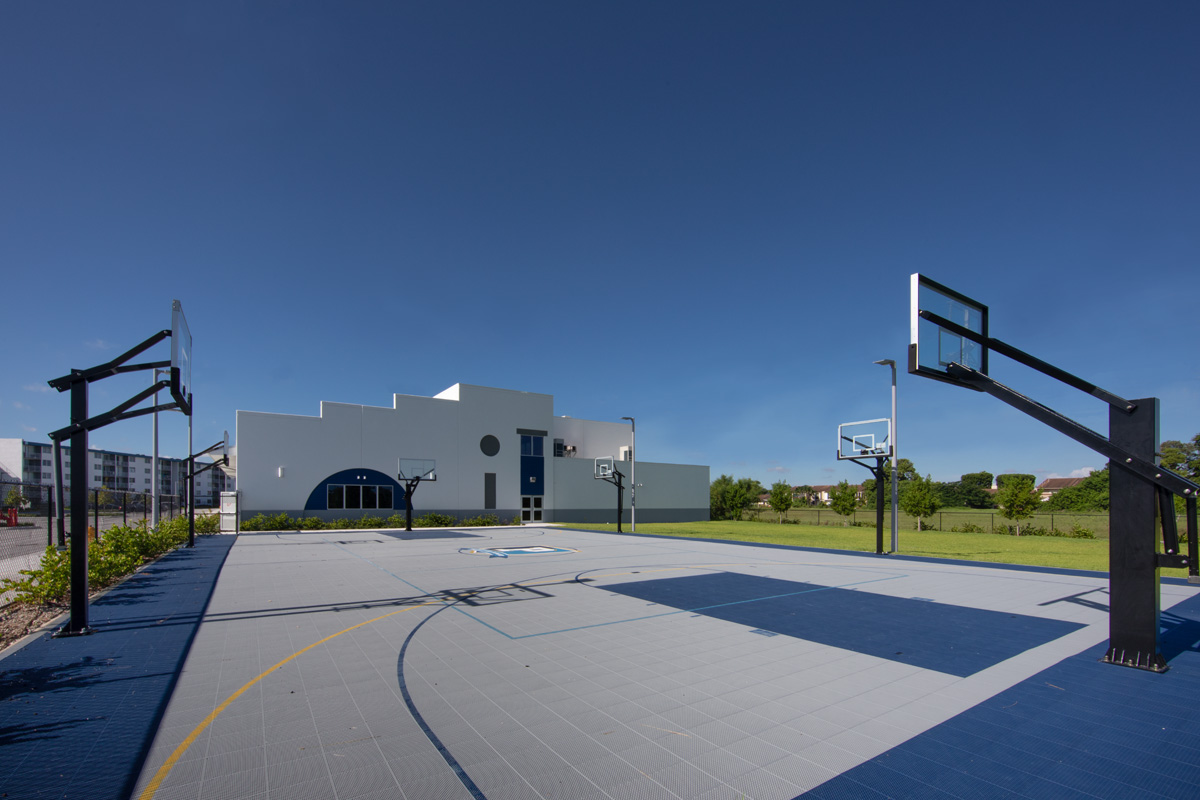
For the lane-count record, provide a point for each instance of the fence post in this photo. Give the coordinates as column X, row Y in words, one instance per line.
column 124, row 509
column 96, row 511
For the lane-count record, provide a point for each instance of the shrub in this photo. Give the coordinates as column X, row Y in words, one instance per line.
column 310, row 523
column 480, row 521
column 49, row 583
column 341, row 524
column 255, row 523
column 968, row 527
column 434, row 520
column 370, row 521
column 209, row 523
column 118, row 552
column 1079, row 532
column 275, row 522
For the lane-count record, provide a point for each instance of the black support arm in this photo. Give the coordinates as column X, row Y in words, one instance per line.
column 1086, row 436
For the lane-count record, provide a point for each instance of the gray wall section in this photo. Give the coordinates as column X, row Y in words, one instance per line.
column 597, row 516
column 666, row 492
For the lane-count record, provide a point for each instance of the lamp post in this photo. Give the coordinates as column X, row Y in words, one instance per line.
column 154, row 478
column 632, row 474
column 887, row 362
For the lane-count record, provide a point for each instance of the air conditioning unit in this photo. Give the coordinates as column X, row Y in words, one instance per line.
column 569, row 451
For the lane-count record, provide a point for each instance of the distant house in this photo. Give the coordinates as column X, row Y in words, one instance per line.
column 1051, row 486
column 820, row 494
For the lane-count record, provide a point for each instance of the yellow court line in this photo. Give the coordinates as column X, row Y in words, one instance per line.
column 165, row 769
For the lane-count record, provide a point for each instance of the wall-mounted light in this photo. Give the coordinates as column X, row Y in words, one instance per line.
column 281, row 472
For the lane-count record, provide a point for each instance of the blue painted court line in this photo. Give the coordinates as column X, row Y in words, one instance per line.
column 1080, row 728
column 445, row 753
column 953, row 639
column 78, row 714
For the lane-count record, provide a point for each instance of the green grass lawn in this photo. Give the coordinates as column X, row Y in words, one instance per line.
column 1039, row 551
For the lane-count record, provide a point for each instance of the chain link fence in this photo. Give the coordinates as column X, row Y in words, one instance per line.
column 985, row 520
column 29, row 522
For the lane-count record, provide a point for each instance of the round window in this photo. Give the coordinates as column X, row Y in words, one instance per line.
column 490, row 445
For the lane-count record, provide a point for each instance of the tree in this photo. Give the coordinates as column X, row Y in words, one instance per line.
column 843, row 499
column 975, row 490
column 1013, row 476
column 904, row 468
column 1182, row 458
column 1090, row 495
column 719, row 497
column 804, row 495
column 1018, row 499
column 949, row 494
column 781, row 498
column 14, row 499
column 729, row 498
column 919, row 498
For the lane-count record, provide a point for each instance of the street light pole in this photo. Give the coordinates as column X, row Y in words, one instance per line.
column 887, row 362
column 632, row 474
column 154, row 479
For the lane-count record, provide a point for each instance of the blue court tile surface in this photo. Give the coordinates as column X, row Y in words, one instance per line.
column 77, row 714
column 953, row 639
column 1080, row 729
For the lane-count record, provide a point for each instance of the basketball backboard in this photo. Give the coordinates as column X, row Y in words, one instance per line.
column 871, row 438
column 181, row 356
column 408, row 469
column 946, row 328
column 604, row 467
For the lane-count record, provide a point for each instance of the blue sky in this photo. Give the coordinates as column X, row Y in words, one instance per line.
column 703, row 215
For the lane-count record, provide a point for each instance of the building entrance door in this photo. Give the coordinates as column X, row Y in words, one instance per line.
column 531, row 509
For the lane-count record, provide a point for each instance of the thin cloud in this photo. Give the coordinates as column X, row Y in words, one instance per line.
column 20, row 405
column 98, row 344
column 28, row 429
column 36, row 387
column 1082, row 472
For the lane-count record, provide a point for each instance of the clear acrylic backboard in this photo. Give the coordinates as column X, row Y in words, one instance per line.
column 936, row 343
column 181, row 356
column 604, row 467
column 408, row 469
column 870, row 438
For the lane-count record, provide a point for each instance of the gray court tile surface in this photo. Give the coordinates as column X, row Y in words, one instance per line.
column 362, row 665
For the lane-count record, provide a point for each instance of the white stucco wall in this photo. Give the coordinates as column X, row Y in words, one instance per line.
column 449, row 428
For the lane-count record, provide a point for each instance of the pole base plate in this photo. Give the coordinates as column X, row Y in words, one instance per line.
column 1151, row 662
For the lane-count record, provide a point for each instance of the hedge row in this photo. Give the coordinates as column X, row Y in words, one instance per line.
column 117, row 553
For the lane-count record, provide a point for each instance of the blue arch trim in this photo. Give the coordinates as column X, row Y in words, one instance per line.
column 318, row 499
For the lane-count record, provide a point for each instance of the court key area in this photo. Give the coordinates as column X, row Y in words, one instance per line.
column 538, row 662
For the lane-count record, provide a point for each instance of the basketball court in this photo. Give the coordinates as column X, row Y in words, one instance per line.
column 546, row 663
